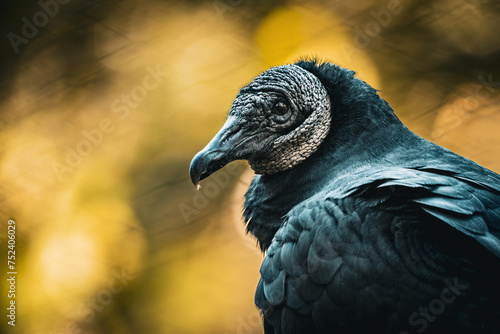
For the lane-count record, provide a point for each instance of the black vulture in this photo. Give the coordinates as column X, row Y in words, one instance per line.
column 366, row 227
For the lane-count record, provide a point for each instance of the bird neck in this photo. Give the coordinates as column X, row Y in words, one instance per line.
column 363, row 140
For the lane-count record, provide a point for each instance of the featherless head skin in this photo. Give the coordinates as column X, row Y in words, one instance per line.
column 275, row 122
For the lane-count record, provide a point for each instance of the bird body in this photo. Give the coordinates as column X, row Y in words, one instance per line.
column 366, row 226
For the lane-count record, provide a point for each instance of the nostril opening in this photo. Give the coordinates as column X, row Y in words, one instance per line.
column 228, row 135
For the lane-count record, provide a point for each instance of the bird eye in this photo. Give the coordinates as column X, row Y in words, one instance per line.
column 280, row 108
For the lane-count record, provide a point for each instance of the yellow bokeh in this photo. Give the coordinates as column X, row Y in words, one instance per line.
column 106, row 106
column 291, row 33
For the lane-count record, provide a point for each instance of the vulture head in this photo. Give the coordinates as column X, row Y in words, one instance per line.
column 275, row 123
column 299, row 126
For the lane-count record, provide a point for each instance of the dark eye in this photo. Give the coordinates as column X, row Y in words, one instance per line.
column 280, row 108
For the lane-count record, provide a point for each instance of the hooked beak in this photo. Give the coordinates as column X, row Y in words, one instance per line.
column 219, row 152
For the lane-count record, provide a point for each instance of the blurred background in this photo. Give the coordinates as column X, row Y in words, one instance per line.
column 104, row 103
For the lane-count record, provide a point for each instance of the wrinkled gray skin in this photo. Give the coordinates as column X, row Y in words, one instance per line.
column 308, row 116
column 271, row 139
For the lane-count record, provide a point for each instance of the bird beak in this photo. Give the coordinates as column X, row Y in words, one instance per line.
column 218, row 152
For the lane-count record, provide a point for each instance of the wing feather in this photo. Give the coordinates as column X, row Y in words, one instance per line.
column 317, row 264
